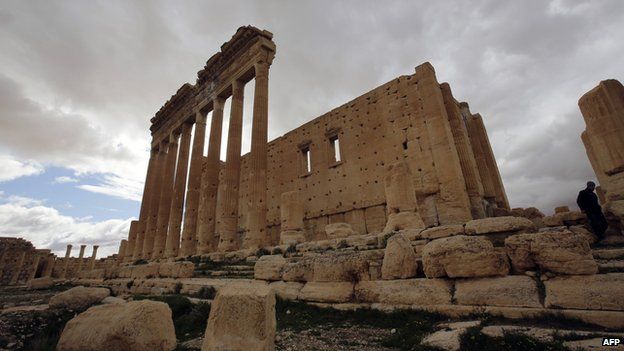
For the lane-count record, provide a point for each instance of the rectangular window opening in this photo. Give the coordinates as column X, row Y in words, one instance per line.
column 307, row 164
column 335, row 145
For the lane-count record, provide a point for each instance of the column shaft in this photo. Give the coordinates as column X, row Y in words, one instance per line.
column 172, row 245
column 93, row 256
column 80, row 259
column 210, row 183
column 132, row 237
column 228, row 224
column 257, row 234
column 66, row 262
column 137, row 248
column 164, row 209
column 121, row 254
column 154, row 199
column 189, row 231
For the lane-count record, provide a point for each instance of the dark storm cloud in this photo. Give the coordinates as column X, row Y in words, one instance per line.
column 521, row 64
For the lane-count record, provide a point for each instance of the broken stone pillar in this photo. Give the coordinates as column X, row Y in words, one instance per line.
column 18, row 269
column 164, row 209
column 122, row 251
column 154, row 200
column 210, row 183
column 34, row 268
column 66, row 263
column 242, row 318
column 451, row 209
column 227, row 228
column 291, row 210
column 80, row 257
column 465, row 153
column 401, row 201
column 129, row 250
column 189, row 232
column 603, row 112
column 93, row 256
column 172, row 245
column 257, row 234
column 144, row 212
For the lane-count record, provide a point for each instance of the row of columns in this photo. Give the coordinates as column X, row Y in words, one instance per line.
column 169, row 200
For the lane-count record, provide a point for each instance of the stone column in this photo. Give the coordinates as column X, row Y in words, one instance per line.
column 66, row 263
column 18, row 269
column 189, row 232
column 164, row 209
column 291, row 213
column 401, row 202
column 35, row 265
column 93, row 256
column 132, row 234
column 603, row 179
column 137, row 248
column 257, row 234
column 49, row 266
column 121, row 254
column 228, row 225
column 172, row 246
column 210, row 183
column 154, row 199
column 477, row 148
column 456, row 208
column 603, row 112
column 474, row 188
column 80, row 257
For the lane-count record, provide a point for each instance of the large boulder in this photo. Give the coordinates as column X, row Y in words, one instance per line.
column 499, row 225
column 561, row 252
column 509, row 291
column 39, row 283
column 463, row 256
column 402, row 221
column 269, row 267
column 242, row 318
column 338, row 230
column 400, row 261
column 136, row 325
column 349, row 266
column 79, row 298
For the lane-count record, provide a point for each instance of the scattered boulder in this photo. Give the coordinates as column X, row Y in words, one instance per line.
column 136, row 325
column 499, row 225
column 400, row 261
column 463, row 256
column 269, row 267
column 560, row 252
column 39, row 283
column 402, row 221
column 242, row 318
column 338, row 230
column 79, row 298
column 442, row 231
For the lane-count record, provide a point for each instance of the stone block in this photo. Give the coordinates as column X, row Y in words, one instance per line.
column 510, row 291
column 375, row 218
column 499, row 225
column 399, row 260
column 242, row 318
column 286, row 290
column 329, row 292
column 39, row 283
column 143, row 271
column 442, row 231
column 136, row 325
column 405, row 292
column 79, row 298
column 346, row 266
column 338, row 230
column 176, row 269
column 463, row 256
column 301, row 270
column 291, row 237
column 269, row 267
column 594, row 292
column 403, row 221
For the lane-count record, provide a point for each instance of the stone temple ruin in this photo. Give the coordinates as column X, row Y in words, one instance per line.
column 392, row 200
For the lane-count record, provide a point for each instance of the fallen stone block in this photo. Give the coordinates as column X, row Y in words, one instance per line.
column 443, row 231
column 499, row 225
column 330, row 292
column 594, row 292
column 463, row 256
column 301, row 270
column 39, row 283
column 339, row 230
column 400, row 261
column 79, row 298
column 136, row 325
column 403, row 221
column 269, row 267
column 510, row 291
column 347, row 266
column 405, row 292
column 242, row 318
column 286, row 290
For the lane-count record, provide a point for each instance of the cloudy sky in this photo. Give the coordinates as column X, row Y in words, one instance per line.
column 79, row 81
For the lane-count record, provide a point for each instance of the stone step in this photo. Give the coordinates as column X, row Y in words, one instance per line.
column 610, row 266
column 608, row 254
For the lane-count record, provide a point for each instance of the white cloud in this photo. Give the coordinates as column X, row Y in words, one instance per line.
column 114, row 185
column 65, row 179
column 12, row 169
column 45, row 227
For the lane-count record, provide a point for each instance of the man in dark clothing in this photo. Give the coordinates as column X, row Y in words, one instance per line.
column 587, row 201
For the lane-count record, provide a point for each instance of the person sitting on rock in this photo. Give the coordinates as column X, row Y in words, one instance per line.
column 587, row 201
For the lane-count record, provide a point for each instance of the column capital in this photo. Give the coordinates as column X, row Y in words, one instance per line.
column 173, row 138
column 217, row 103
column 69, row 246
column 200, row 117
column 237, row 87
column 261, row 68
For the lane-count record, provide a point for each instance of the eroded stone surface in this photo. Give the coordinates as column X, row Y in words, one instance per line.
column 269, row 267
column 595, row 292
column 499, row 224
column 512, row 291
column 79, row 298
column 405, row 292
column 399, row 260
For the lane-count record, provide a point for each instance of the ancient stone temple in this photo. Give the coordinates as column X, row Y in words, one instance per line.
column 330, row 170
